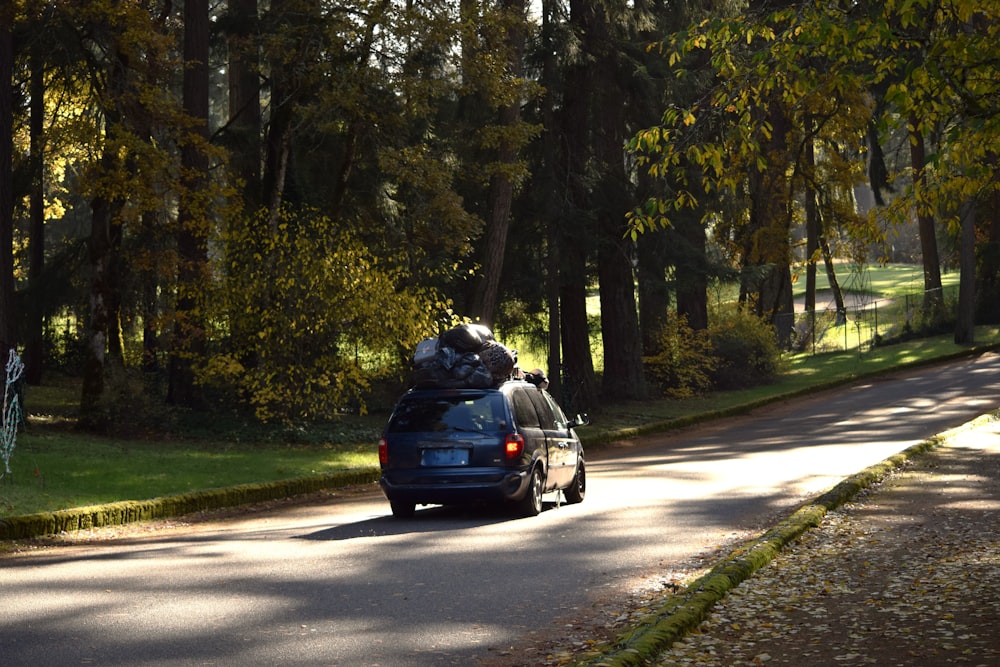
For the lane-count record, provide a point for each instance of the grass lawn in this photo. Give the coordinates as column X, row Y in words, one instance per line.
column 55, row 467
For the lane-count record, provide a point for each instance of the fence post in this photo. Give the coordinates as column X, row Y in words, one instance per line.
column 875, row 328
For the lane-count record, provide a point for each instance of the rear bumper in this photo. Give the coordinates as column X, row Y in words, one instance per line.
column 429, row 487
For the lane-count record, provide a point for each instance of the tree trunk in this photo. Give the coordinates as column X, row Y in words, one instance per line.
column 813, row 234
column 623, row 373
column 623, row 376
column 553, row 258
column 104, row 227
column 501, row 197
column 501, row 194
column 189, row 329
column 148, row 278
column 579, row 379
column 965, row 327
column 831, row 277
column 692, row 272
column 933, row 294
column 768, row 245
column 34, row 353
column 104, row 213
column 812, row 227
column 554, row 359
column 8, row 316
column 279, row 130
column 988, row 274
column 356, row 125
column 579, row 382
column 654, row 291
column 244, row 100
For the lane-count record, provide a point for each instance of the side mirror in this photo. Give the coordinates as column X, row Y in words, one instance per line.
column 579, row 420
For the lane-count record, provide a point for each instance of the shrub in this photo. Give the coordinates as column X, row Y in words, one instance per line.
column 745, row 349
column 304, row 312
column 683, row 366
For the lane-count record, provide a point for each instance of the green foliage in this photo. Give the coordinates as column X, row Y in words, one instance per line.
column 683, row 367
column 305, row 313
column 739, row 351
column 833, row 72
column 746, row 350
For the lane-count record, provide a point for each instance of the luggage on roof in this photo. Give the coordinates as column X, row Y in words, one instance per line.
column 466, row 356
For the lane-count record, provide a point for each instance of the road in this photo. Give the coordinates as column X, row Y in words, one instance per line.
column 343, row 583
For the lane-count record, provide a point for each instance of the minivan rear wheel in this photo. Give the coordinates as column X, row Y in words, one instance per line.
column 531, row 504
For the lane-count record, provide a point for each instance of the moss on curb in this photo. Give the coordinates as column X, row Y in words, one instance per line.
column 683, row 612
column 129, row 511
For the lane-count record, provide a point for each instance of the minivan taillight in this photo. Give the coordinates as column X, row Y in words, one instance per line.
column 383, row 451
column 514, row 446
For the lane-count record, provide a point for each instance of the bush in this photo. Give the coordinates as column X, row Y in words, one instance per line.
column 683, row 366
column 746, row 351
column 304, row 314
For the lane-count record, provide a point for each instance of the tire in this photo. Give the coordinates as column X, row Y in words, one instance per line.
column 531, row 504
column 575, row 492
column 402, row 510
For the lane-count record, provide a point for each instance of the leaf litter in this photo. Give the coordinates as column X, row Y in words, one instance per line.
column 901, row 576
column 906, row 574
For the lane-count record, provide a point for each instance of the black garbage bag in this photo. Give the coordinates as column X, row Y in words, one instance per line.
column 449, row 369
column 466, row 337
column 499, row 359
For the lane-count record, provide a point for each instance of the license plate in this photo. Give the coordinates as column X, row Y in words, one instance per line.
column 444, row 457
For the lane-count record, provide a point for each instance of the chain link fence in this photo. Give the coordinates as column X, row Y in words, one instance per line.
column 865, row 320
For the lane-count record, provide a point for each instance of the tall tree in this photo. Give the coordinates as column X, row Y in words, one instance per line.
column 580, row 388
column 965, row 326
column 988, row 265
column 933, row 294
column 192, row 220
column 34, row 353
column 506, row 173
column 294, row 34
column 549, row 191
column 768, row 246
column 623, row 375
column 105, row 227
column 244, row 126
column 8, row 316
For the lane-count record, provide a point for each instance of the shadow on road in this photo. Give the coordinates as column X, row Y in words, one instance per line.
column 433, row 519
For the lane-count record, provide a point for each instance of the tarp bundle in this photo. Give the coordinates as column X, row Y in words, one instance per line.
column 466, row 356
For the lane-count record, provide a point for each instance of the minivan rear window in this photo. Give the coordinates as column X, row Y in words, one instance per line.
column 458, row 412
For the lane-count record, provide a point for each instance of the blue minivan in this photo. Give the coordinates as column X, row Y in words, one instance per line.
column 509, row 444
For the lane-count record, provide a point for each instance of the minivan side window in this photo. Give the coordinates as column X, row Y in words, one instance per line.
column 557, row 414
column 544, row 410
column 524, row 411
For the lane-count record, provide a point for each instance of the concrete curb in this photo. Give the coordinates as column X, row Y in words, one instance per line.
column 129, row 511
column 683, row 612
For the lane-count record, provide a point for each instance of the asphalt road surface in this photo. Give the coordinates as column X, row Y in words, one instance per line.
column 343, row 583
